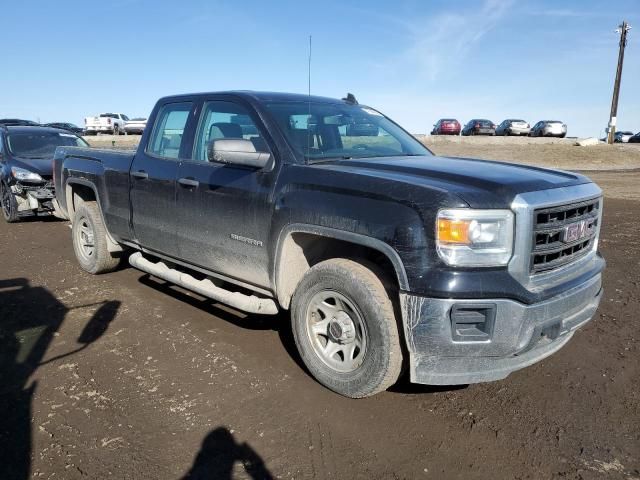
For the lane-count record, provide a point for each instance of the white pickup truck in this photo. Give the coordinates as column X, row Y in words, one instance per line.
column 106, row 123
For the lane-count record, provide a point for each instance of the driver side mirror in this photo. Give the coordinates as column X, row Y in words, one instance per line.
column 237, row 151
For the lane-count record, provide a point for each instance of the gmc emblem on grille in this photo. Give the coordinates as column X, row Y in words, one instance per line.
column 576, row 231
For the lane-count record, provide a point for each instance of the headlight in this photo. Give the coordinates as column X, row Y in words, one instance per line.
column 25, row 175
column 475, row 238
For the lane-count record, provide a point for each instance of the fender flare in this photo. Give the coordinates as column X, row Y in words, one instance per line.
column 112, row 245
column 333, row 233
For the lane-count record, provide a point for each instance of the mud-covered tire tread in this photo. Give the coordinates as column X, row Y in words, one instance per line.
column 103, row 261
column 368, row 283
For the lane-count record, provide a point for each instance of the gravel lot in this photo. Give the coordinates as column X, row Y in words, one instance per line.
column 123, row 376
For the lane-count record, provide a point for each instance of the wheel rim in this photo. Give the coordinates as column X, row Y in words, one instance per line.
column 85, row 239
column 6, row 201
column 337, row 331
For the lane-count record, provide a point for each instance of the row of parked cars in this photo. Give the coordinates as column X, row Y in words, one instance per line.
column 111, row 123
column 510, row 126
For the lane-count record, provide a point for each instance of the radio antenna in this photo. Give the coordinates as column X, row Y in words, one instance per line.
column 309, row 97
column 309, row 66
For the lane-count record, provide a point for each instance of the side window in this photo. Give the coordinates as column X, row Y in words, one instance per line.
column 168, row 130
column 221, row 120
column 125, row 118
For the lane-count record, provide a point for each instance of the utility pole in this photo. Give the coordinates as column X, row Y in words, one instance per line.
column 622, row 30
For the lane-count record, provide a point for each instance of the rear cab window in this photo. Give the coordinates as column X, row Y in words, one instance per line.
column 168, row 130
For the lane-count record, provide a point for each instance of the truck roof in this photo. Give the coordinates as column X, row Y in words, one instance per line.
column 259, row 96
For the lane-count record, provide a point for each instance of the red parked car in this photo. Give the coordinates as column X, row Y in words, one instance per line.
column 446, row 126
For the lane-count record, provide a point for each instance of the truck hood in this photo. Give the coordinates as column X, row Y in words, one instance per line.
column 41, row 166
column 480, row 183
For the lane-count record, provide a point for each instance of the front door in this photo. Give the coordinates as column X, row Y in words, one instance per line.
column 153, row 180
column 225, row 210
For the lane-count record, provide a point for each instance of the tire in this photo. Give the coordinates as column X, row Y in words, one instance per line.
column 9, row 204
column 89, row 236
column 349, row 299
column 116, row 129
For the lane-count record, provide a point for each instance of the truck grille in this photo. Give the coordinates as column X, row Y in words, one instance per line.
column 562, row 234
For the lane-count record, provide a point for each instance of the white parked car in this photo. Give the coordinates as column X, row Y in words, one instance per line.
column 549, row 128
column 106, row 123
column 135, row 126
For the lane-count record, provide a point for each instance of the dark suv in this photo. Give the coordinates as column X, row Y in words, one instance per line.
column 26, row 153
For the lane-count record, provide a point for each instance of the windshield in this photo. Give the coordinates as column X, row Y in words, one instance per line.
column 321, row 131
column 41, row 144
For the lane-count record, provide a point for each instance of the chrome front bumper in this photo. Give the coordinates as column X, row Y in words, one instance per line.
column 521, row 335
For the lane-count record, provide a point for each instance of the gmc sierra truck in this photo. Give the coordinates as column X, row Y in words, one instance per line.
column 389, row 258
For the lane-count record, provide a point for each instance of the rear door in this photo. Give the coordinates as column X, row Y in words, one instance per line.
column 225, row 210
column 153, row 179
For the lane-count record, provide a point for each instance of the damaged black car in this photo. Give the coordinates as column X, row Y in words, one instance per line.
column 26, row 176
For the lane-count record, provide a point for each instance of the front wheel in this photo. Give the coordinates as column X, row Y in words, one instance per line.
column 9, row 204
column 345, row 328
column 90, row 240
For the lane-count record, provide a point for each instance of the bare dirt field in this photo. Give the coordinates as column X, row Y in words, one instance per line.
column 123, row 376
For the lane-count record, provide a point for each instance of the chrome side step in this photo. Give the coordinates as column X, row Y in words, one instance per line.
column 247, row 303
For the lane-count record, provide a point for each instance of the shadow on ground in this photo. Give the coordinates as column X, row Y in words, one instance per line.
column 218, row 456
column 29, row 318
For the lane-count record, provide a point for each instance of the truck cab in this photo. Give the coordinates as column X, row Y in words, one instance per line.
column 388, row 257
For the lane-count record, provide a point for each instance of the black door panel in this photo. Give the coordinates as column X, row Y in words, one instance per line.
column 153, row 179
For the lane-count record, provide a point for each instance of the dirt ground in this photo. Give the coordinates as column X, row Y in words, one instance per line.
column 122, row 376
column 544, row 152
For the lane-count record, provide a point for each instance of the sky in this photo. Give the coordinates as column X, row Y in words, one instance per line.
column 415, row 60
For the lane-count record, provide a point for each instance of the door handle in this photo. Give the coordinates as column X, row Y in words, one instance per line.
column 188, row 182
column 141, row 174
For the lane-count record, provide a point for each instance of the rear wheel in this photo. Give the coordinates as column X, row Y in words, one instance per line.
column 345, row 328
column 9, row 204
column 90, row 240
column 116, row 129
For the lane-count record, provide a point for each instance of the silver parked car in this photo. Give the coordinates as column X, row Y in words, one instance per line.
column 135, row 126
column 549, row 128
column 512, row 126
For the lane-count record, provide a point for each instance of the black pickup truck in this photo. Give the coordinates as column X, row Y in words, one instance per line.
column 389, row 258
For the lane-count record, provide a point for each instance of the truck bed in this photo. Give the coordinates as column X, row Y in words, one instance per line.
column 105, row 171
